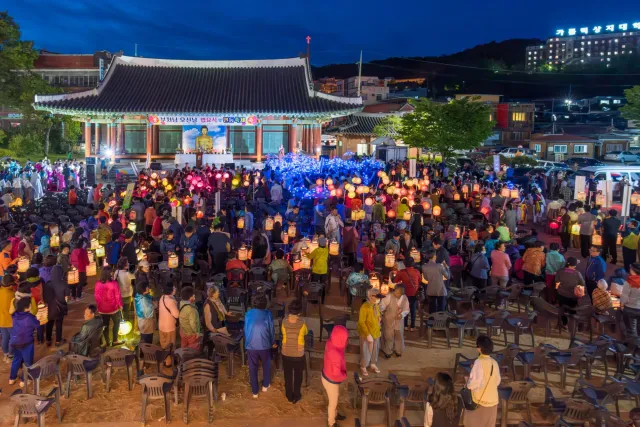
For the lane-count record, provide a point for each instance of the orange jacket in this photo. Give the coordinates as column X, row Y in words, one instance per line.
column 533, row 261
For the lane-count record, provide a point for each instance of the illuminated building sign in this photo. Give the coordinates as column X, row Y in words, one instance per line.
column 203, row 120
column 599, row 30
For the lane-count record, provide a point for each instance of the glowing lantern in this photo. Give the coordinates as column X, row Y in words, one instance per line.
column 165, row 181
column 554, row 225
column 619, row 240
column 92, row 269
column 385, row 180
column 292, row 231
column 43, row 313
column 319, row 182
column 485, row 210
column 131, row 226
column 334, row 248
column 355, row 215
column 476, row 187
column 235, row 182
column 635, row 199
column 456, row 197
column 268, row 224
column 436, row 211
column 245, row 183
column 241, row 222
column 575, row 229
column 94, row 244
column 297, row 265
column 73, row 277
column 391, row 213
column 426, row 205
column 173, row 261
column 457, row 230
column 23, row 265
column 600, row 199
column 139, row 254
column 368, row 201
column 329, row 181
column 55, row 241
column 391, row 190
column 406, row 216
column 390, row 260
column 91, row 256
column 374, row 280
column 356, row 180
column 285, row 238
column 596, row 240
column 312, row 245
column 582, row 196
column 352, row 195
column 515, row 194
column 415, row 255
column 505, row 192
column 465, row 189
column 125, row 328
column 278, row 218
column 306, row 262
column 154, row 175
column 242, row 253
column 384, row 289
column 226, row 175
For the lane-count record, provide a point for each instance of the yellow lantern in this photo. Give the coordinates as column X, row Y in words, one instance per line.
column 582, row 196
column 391, row 190
column 73, row 277
column 635, row 199
column 334, row 248
column 292, row 231
column 374, row 280
column 94, row 244
column 385, row 180
column 352, row 194
column 139, row 254
column 415, row 255
column 268, row 224
column 368, row 201
column 361, row 214
column 277, row 218
column 456, row 197
column 125, row 328
column 297, row 265
column 515, row 194
column 465, row 189
column 390, row 260
column 173, row 261
column 575, row 229
column 596, row 240
column 43, row 313
column 131, row 226
column 457, row 229
column 55, row 241
column 100, row 251
column 356, row 180
column 619, row 239
column 23, row 265
column 91, row 257
column 92, row 269
column 436, row 211
column 406, row 216
column 354, row 215
column 241, row 223
column 600, row 199
column 329, row 181
column 285, row 238
column 476, row 188
column 242, row 253
column 306, row 262
column 505, row 192
column 312, row 245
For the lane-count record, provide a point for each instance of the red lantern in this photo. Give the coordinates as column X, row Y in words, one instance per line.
column 485, row 210
column 391, row 214
column 554, row 225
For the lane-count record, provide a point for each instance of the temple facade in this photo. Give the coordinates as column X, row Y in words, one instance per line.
column 157, row 109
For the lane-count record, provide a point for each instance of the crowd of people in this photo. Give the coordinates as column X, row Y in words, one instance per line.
column 407, row 242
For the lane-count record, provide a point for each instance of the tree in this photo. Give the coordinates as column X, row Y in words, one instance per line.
column 460, row 124
column 25, row 143
column 390, row 127
column 631, row 111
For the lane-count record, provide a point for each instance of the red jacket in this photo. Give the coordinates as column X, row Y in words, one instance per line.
column 108, row 297
column 335, row 365
column 79, row 259
column 410, row 278
column 73, row 197
column 368, row 255
column 156, row 228
column 15, row 245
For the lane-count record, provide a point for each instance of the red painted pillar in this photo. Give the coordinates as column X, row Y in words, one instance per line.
column 317, row 140
column 149, row 139
column 109, row 140
column 293, row 137
column 87, row 139
column 120, row 143
column 114, row 137
column 97, row 137
column 259, row 143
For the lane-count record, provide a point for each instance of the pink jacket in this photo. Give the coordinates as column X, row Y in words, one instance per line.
column 168, row 313
column 500, row 264
column 108, row 298
column 335, row 364
column 79, row 259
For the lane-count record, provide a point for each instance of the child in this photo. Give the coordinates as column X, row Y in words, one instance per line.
column 601, row 298
column 24, row 324
column 168, row 245
column 145, row 313
column 112, row 251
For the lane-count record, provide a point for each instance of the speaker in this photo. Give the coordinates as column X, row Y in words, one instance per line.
column 91, row 174
column 91, row 160
column 155, row 166
column 230, row 166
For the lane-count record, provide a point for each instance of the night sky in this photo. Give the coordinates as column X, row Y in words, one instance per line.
column 253, row 29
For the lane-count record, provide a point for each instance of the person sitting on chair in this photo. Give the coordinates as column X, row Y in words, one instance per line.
column 89, row 327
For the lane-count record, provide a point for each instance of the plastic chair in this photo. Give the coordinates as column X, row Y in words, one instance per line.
column 607, row 419
column 411, row 392
column 328, row 322
column 512, row 294
column 312, row 293
column 506, row 358
column 466, row 322
column 577, row 412
column 92, row 344
column 464, row 362
column 237, row 277
column 182, row 355
column 257, row 273
column 493, row 321
column 490, row 296
column 151, row 354
column 609, row 392
column 47, row 367
column 156, row 387
column 517, row 325
column 504, row 394
column 547, row 312
column 564, row 359
column 520, row 396
column 533, row 359
column 360, row 295
column 594, row 351
column 237, row 299
column 33, row 406
column 79, row 365
column 556, row 406
column 282, row 279
column 196, row 368
column 200, row 387
column 226, row 347
column 118, row 359
column 439, row 321
column 465, row 295
column 582, row 316
column 375, row 393
column 532, row 291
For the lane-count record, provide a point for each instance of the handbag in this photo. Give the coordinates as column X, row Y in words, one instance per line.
column 467, row 397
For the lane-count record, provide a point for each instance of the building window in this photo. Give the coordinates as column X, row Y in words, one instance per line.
column 135, row 139
column 169, row 139
column 518, row 117
column 274, row 137
column 579, row 149
column 242, row 139
column 562, row 149
column 537, row 148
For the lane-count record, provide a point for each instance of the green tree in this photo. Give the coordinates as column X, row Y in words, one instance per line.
column 631, row 111
column 390, row 127
column 25, row 143
column 461, row 124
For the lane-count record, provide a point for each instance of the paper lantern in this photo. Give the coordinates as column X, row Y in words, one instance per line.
column 356, row 180
column 391, row 213
column 374, row 281
column 426, row 205
column 292, row 231
column 240, row 223
column 352, row 194
column 329, row 181
column 619, row 239
column 306, row 262
column 43, row 313
column 319, row 182
column 268, row 224
column 245, row 183
column 285, row 238
column 457, row 230
column 312, row 245
column 385, row 180
column 485, row 210
column 465, row 189
column 55, row 241
column 505, row 192
column 476, row 187
column 596, row 240
column 188, row 258
column 635, row 199
column 278, row 218
column 368, row 201
column 436, row 211
column 100, row 253
column 391, row 190
column 23, row 265
column 92, row 269
column 575, row 229
column 515, row 194
column 600, row 199
column 173, row 261
column 140, row 254
column 73, row 277
column 94, row 244
column 406, row 216
column 456, row 197
column 582, row 196
column 554, row 225
column 384, row 289
column 334, row 248
column 354, row 215
column 242, row 253
column 91, row 256
column 390, row 260
column 125, row 328
column 415, row 255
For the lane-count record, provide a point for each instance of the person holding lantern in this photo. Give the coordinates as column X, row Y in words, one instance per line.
column 22, row 343
column 124, row 278
column 369, row 332
column 80, row 260
column 630, row 245
column 7, row 295
column 320, row 259
column 394, row 308
column 109, row 303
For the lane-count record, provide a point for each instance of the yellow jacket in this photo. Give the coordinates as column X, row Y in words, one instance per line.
column 34, row 307
column 369, row 320
column 6, row 297
column 320, row 258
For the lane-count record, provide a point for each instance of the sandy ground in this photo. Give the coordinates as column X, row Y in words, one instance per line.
column 123, row 408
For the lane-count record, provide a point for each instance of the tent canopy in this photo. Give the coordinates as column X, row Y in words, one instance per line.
column 384, row 140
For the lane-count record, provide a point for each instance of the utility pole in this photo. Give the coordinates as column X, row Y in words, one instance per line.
column 135, row 50
column 553, row 116
column 359, row 73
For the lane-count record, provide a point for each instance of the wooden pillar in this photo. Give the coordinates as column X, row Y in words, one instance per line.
column 97, row 137
column 114, row 137
column 259, row 142
column 156, row 140
column 317, row 140
column 293, row 138
column 87, row 139
column 108, row 136
column 149, row 140
column 120, row 140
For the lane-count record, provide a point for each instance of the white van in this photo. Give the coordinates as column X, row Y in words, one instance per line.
column 513, row 152
column 615, row 174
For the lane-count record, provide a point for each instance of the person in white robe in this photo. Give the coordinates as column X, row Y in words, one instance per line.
column 36, row 183
column 394, row 307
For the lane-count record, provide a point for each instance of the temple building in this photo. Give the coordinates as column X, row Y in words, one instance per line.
column 159, row 109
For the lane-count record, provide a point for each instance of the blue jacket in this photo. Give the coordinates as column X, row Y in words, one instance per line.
column 144, row 306
column 191, row 243
column 177, row 229
column 258, row 330
column 24, row 323
column 38, row 234
column 113, row 252
column 596, row 268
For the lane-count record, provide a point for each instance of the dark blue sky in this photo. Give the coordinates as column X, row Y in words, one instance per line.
column 339, row 28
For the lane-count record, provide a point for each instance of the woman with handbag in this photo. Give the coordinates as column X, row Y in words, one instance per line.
column 480, row 396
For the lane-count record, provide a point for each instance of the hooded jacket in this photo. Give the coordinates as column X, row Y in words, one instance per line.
column 54, row 292
column 369, row 320
column 24, row 323
column 335, row 364
column 108, row 297
column 533, row 261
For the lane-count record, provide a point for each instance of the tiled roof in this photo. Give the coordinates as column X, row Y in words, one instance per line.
column 358, row 124
column 560, row 138
column 147, row 86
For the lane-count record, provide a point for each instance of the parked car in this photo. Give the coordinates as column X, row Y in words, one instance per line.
column 549, row 164
column 615, row 174
column 581, row 162
column 513, row 152
column 621, row 156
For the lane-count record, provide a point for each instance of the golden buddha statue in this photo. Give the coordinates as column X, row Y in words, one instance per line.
column 204, row 142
